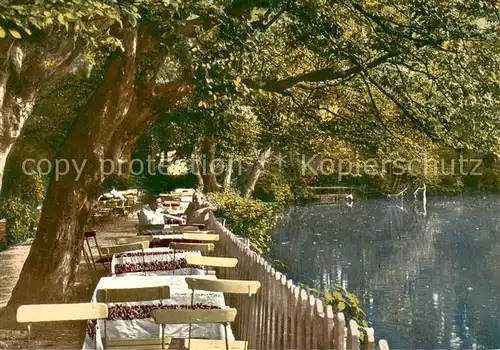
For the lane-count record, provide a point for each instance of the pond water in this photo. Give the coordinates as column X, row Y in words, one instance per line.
column 426, row 281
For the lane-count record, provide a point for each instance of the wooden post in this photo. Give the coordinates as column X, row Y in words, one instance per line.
column 382, row 344
column 370, row 339
column 301, row 319
column 318, row 322
column 294, row 317
column 353, row 336
column 279, row 309
column 339, row 331
column 328, row 328
column 289, row 316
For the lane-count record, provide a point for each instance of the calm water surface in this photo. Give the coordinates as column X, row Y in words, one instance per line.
column 426, row 281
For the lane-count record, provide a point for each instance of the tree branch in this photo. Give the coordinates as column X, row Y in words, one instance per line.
column 192, row 28
column 321, row 75
column 377, row 111
column 407, row 113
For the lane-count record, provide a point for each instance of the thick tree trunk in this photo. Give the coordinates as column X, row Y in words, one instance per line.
column 256, row 171
column 49, row 271
column 209, row 176
column 117, row 113
column 228, row 174
column 25, row 76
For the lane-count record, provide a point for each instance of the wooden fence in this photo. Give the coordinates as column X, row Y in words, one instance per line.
column 282, row 315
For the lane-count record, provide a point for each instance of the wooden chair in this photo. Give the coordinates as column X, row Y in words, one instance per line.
column 60, row 312
column 132, row 239
column 222, row 316
column 201, row 237
column 186, row 228
column 208, row 262
column 211, row 261
column 122, row 248
column 131, row 295
column 90, row 265
column 101, row 258
column 224, row 286
column 200, row 232
column 200, row 226
column 203, row 247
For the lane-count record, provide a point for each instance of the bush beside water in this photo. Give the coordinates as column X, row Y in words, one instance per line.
column 252, row 219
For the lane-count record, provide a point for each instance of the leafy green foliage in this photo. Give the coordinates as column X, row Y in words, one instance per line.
column 490, row 180
column 85, row 17
column 343, row 301
column 21, row 220
column 252, row 219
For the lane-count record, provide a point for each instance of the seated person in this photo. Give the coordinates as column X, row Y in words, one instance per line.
column 151, row 214
column 199, row 209
column 118, row 194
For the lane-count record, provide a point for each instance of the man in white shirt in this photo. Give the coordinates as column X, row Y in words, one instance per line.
column 151, row 214
column 118, row 194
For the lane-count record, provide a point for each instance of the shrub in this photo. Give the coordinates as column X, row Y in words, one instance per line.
column 490, row 179
column 26, row 188
column 252, row 219
column 342, row 301
column 21, row 220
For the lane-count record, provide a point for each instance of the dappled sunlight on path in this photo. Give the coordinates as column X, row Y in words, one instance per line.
column 12, row 261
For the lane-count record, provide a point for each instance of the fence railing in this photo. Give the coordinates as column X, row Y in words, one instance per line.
column 283, row 315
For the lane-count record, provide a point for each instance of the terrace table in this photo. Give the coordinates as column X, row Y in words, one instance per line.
column 165, row 240
column 153, row 261
column 130, row 320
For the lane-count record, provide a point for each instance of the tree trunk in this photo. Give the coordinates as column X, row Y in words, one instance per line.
column 3, row 162
column 256, row 171
column 198, row 169
column 25, row 77
column 228, row 174
column 210, row 179
column 49, row 271
column 117, row 113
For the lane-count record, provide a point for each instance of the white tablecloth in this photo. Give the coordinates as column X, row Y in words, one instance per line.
column 146, row 328
column 153, row 262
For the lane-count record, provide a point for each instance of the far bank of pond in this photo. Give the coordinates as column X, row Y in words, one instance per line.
column 426, row 281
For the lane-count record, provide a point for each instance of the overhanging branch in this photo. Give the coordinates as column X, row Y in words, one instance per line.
column 322, row 75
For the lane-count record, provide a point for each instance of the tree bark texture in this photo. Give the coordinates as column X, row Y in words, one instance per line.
column 119, row 111
column 227, row 175
column 209, row 177
column 257, row 169
column 28, row 70
column 198, row 169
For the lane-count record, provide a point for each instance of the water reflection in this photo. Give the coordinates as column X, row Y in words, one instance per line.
column 428, row 277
